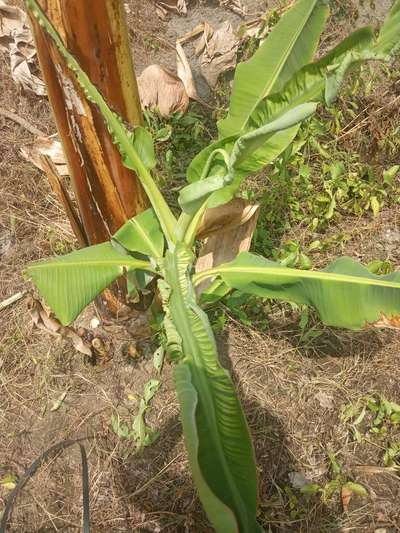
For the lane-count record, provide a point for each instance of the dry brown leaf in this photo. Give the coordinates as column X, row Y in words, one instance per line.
column 44, row 321
column 372, row 469
column 391, row 322
column 229, row 230
column 256, row 28
column 208, row 32
column 12, row 22
column 298, row 480
column 11, row 300
column 64, row 198
column 185, row 73
column 161, row 13
column 177, row 6
column 161, row 89
column 16, row 39
column 198, row 30
column 22, row 122
column 220, row 53
column 183, row 67
column 325, row 400
column 346, row 495
column 49, row 147
column 225, row 217
column 234, row 5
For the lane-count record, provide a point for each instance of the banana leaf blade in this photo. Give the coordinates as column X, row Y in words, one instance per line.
column 345, row 294
column 216, row 434
column 290, row 46
column 69, row 283
column 142, row 234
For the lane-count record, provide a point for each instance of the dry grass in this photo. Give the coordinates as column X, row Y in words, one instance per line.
column 282, row 383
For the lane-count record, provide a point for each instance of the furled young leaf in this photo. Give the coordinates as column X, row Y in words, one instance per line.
column 195, row 171
column 69, row 283
column 291, row 45
column 193, row 195
column 248, row 144
column 142, row 234
column 216, row 434
column 241, row 161
column 345, row 294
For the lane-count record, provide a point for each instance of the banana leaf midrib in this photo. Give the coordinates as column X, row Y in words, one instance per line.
column 181, row 309
column 124, row 261
column 290, row 272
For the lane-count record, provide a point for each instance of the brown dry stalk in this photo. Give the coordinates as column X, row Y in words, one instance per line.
column 107, row 193
column 22, row 122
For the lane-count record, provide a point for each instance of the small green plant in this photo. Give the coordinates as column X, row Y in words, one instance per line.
column 391, row 456
column 292, row 255
column 339, row 485
column 373, row 413
column 140, row 434
column 380, row 267
column 178, row 139
column 273, row 94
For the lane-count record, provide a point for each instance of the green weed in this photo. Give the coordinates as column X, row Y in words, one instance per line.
column 178, row 139
column 138, row 432
column 371, row 415
column 339, row 485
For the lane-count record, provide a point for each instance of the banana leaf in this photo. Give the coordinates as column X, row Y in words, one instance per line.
column 142, row 234
column 389, row 36
column 69, row 283
column 216, row 434
column 290, row 46
column 345, row 294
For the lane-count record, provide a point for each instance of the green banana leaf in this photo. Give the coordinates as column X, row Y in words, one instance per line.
column 290, row 46
column 345, row 294
column 308, row 84
column 389, row 36
column 142, row 234
column 143, row 143
column 216, row 434
column 318, row 81
column 69, row 283
column 193, row 195
column 248, row 144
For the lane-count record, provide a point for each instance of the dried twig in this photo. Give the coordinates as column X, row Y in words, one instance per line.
column 22, row 122
column 57, row 185
column 11, row 300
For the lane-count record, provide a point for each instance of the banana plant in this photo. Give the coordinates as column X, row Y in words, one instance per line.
column 273, row 93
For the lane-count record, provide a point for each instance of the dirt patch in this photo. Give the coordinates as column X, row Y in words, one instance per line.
column 372, row 13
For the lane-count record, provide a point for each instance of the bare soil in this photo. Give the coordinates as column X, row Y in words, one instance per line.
column 292, row 391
